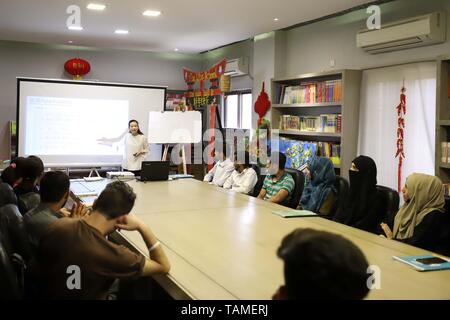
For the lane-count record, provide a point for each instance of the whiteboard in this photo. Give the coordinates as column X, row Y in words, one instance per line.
column 174, row 127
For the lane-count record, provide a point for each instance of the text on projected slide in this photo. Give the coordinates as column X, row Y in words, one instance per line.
column 68, row 126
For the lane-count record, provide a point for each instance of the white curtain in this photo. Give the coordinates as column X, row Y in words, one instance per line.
column 380, row 94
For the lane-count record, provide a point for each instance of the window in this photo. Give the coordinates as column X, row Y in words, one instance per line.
column 237, row 110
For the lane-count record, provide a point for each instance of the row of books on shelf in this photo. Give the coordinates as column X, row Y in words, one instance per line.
column 330, row 123
column 447, row 189
column 445, row 155
column 312, row 92
column 300, row 152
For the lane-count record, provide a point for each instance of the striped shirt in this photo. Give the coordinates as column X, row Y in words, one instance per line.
column 273, row 187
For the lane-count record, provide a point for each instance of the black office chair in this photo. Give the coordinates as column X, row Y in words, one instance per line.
column 7, row 195
column 392, row 200
column 13, row 231
column 10, row 287
column 447, row 204
column 258, row 186
column 299, row 180
column 256, row 168
column 28, row 201
column 259, row 183
column 342, row 187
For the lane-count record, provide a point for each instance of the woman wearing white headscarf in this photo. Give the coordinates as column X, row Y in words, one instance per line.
column 422, row 220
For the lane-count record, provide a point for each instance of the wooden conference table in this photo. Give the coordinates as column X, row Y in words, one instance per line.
column 222, row 245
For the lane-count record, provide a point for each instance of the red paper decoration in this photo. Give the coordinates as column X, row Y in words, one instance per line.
column 262, row 104
column 204, row 96
column 401, row 111
column 77, row 68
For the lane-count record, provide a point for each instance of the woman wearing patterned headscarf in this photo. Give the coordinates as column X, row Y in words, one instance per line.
column 364, row 208
column 319, row 194
column 422, row 220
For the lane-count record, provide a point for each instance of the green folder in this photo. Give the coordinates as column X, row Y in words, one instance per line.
column 295, row 213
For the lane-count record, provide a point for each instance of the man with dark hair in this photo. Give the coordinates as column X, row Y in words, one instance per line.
column 30, row 173
column 223, row 167
column 81, row 245
column 278, row 185
column 244, row 178
column 54, row 191
column 321, row 265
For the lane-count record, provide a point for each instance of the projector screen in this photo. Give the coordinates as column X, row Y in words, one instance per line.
column 66, row 123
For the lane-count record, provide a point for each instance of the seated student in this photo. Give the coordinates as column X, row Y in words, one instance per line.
column 223, row 167
column 244, row 178
column 319, row 194
column 54, row 191
column 27, row 189
column 11, row 174
column 83, row 243
column 422, row 220
column 8, row 180
column 365, row 208
column 319, row 265
column 279, row 185
column 29, row 173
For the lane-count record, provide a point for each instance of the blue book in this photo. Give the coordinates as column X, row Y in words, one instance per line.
column 427, row 262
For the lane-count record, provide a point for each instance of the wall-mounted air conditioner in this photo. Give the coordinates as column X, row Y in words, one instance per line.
column 414, row 32
column 237, row 67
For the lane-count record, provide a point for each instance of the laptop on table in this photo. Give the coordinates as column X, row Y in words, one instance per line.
column 154, row 171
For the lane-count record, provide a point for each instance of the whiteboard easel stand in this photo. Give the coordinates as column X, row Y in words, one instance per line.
column 183, row 156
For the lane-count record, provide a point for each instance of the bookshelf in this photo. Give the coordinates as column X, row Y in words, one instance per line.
column 442, row 168
column 307, row 105
column 309, row 134
column 311, row 96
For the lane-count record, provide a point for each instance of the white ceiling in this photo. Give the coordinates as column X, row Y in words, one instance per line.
column 190, row 25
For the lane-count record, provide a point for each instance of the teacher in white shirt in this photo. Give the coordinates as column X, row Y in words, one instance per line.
column 223, row 167
column 136, row 148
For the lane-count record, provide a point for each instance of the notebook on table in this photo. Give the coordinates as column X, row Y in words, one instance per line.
column 294, row 213
column 427, row 262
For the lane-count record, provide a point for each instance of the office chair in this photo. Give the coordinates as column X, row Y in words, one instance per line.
column 14, row 235
column 7, row 195
column 342, row 187
column 299, row 180
column 392, row 200
column 9, row 284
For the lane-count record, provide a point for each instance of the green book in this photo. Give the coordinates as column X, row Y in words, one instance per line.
column 295, row 213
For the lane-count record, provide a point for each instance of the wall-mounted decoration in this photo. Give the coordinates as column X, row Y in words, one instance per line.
column 77, row 68
column 401, row 111
column 197, row 94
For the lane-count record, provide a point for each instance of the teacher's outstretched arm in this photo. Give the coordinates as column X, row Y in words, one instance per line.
column 110, row 141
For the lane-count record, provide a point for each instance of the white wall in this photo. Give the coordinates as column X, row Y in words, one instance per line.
column 47, row 61
column 233, row 51
column 310, row 48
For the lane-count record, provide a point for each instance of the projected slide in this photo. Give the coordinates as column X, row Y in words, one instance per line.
column 72, row 126
column 82, row 123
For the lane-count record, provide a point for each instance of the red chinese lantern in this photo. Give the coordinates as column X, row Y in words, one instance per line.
column 77, row 68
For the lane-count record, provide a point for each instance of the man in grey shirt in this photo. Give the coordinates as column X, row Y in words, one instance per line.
column 54, row 191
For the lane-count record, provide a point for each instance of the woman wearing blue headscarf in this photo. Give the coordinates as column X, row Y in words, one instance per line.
column 319, row 194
